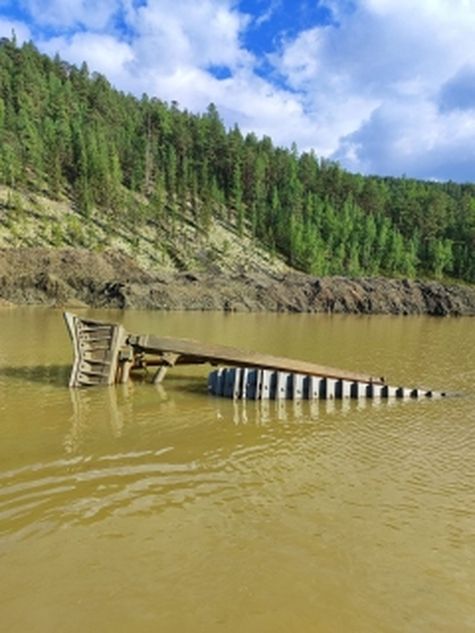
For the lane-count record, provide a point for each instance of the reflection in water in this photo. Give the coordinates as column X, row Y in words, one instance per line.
column 111, row 405
column 115, row 405
column 82, row 401
column 266, row 412
column 52, row 375
column 89, row 485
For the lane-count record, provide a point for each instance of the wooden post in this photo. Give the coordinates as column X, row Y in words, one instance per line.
column 126, row 362
column 169, row 360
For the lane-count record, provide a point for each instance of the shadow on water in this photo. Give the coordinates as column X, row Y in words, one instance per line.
column 53, row 375
column 58, row 376
column 188, row 384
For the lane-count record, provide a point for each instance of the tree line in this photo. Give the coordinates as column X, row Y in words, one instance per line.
column 67, row 132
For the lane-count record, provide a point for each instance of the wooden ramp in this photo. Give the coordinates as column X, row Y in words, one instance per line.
column 104, row 354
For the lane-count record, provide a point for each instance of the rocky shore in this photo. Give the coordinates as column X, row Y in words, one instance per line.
column 74, row 277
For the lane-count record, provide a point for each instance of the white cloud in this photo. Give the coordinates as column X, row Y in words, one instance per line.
column 171, row 53
column 7, row 27
column 413, row 139
column 170, row 34
column 261, row 108
column 459, row 92
column 385, row 88
column 103, row 53
column 268, row 13
column 300, row 59
column 374, row 80
column 93, row 14
column 312, row 66
column 244, row 98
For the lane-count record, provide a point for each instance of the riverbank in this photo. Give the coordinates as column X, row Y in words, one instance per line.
column 75, row 277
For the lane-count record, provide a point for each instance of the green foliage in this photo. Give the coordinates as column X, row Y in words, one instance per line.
column 2, row 114
column 56, row 235
column 68, row 130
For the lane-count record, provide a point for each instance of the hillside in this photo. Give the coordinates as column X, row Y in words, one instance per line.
column 111, row 279
column 33, row 220
column 83, row 166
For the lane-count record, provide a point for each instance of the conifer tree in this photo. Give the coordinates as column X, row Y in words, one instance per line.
column 67, row 131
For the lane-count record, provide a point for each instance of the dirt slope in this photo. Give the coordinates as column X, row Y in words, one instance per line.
column 113, row 279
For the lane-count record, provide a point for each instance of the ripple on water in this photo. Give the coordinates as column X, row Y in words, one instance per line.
column 81, row 491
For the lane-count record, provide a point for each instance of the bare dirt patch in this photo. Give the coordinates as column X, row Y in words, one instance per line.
column 77, row 277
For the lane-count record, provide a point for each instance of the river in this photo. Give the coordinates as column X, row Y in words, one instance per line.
column 140, row 508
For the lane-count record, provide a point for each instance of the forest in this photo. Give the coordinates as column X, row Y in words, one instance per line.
column 67, row 132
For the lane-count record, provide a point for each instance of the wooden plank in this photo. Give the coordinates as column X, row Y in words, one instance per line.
column 86, row 343
column 97, row 346
column 221, row 354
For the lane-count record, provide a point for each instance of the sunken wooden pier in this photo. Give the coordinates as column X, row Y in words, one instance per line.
column 105, row 354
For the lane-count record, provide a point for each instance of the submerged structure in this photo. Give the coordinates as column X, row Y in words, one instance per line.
column 105, row 354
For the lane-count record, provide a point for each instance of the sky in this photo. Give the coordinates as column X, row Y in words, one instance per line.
column 382, row 86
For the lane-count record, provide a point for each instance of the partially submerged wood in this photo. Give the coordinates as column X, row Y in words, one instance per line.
column 223, row 355
column 268, row 384
column 104, row 353
column 96, row 351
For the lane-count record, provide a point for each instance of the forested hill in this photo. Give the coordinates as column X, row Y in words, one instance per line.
column 128, row 162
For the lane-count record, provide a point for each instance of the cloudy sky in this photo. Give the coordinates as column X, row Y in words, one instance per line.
column 382, row 86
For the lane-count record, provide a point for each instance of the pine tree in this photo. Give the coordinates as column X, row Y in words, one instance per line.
column 2, row 116
column 236, row 197
column 159, row 198
column 68, row 131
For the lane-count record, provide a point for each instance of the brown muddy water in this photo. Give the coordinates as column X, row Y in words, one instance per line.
column 164, row 509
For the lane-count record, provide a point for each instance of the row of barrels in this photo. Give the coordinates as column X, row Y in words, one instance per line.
column 267, row 384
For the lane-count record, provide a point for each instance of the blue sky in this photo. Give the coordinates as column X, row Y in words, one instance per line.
column 383, row 86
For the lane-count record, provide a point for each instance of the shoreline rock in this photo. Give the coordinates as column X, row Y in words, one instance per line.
column 36, row 276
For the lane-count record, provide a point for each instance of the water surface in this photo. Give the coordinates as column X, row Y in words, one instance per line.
column 142, row 508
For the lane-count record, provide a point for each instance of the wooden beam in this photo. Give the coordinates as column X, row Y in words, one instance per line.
column 169, row 359
column 221, row 354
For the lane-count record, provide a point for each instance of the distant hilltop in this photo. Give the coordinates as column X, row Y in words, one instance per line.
column 85, row 166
